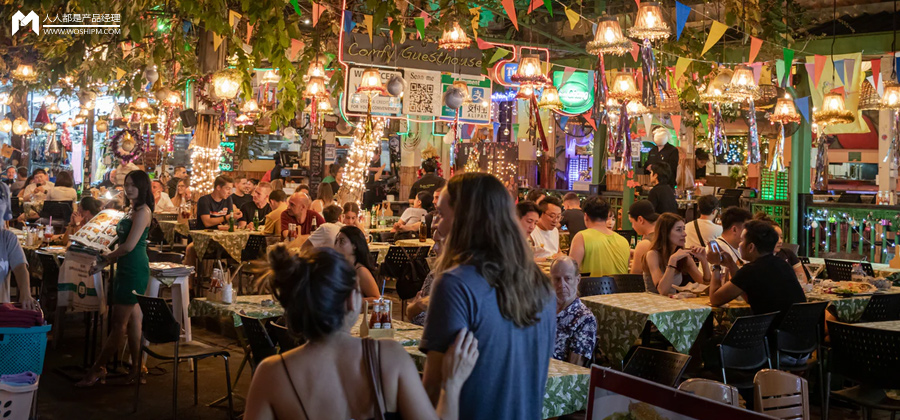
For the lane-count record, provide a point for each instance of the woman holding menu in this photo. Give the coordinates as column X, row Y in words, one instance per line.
column 132, row 274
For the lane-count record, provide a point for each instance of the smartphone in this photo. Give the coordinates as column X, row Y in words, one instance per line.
column 714, row 246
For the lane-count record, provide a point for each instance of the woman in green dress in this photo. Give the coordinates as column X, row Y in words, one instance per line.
column 132, row 274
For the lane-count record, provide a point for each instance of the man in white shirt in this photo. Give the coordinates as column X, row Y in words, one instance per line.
column 729, row 242
column 703, row 230
column 325, row 235
column 546, row 235
column 38, row 188
column 163, row 202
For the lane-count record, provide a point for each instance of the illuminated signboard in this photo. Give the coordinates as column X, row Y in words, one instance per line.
column 577, row 94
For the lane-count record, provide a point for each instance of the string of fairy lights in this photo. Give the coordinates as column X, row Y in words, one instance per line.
column 365, row 138
column 205, row 168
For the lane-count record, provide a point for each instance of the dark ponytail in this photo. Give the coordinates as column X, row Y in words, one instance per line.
column 312, row 288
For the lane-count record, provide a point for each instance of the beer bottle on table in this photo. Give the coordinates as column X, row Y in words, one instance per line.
column 256, row 219
column 423, row 232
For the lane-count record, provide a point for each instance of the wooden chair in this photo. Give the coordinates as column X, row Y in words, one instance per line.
column 780, row 394
column 713, row 390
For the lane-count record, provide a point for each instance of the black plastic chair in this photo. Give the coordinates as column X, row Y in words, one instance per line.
column 409, row 266
column 882, row 308
column 256, row 246
column 800, row 333
column 839, row 270
column 162, row 332
column 745, row 346
column 593, row 286
column 261, row 345
column 630, row 283
column 284, row 337
column 59, row 211
column 660, row 366
column 869, row 357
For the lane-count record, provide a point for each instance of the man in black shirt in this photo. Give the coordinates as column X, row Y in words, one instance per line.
column 258, row 206
column 429, row 182
column 701, row 158
column 663, row 153
column 572, row 216
column 662, row 196
column 241, row 194
column 213, row 208
column 769, row 283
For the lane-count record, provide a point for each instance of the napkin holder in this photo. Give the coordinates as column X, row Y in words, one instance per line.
column 376, row 333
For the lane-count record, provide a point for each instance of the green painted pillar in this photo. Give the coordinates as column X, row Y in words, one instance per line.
column 801, row 146
column 598, row 172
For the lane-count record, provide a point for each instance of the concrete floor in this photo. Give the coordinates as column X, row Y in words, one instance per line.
column 58, row 398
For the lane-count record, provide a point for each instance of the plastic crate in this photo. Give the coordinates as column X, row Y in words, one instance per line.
column 22, row 349
column 16, row 401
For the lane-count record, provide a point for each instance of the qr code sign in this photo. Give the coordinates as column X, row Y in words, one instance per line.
column 420, row 98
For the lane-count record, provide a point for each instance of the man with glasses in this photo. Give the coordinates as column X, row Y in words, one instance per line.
column 546, row 235
column 704, row 230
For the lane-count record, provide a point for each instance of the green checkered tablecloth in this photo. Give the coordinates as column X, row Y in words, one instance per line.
column 724, row 315
column 232, row 242
column 249, row 305
column 171, row 227
column 567, row 385
column 621, row 318
column 848, row 309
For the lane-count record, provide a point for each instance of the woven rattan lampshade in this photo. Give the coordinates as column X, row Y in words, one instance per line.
column 868, row 97
column 668, row 102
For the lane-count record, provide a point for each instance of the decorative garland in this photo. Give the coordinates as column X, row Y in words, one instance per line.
column 127, row 157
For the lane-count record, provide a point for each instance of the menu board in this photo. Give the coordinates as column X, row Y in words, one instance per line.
column 100, row 232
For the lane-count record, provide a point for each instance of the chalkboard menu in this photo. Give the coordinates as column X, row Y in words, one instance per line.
column 180, row 156
column 316, row 166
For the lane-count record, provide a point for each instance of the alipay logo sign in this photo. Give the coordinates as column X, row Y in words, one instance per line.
column 20, row 19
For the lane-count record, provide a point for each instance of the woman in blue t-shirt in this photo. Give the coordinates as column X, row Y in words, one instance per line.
column 488, row 283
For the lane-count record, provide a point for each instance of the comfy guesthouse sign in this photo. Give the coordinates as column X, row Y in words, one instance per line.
column 413, row 54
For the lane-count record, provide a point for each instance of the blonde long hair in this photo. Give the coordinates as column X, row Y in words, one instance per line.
column 486, row 234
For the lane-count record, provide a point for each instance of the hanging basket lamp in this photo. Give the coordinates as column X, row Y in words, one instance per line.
column 785, row 112
column 649, row 23
column 550, row 99
column 623, row 88
column 891, row 97
column 609, row 39
column 454, row 38
column 530, row 74
column 833, row 111
column 371, row 83
column 742, row 86
column 226, row 83
column 715, row 91
column 24, row 73
column 20, row 126
column 315, row 89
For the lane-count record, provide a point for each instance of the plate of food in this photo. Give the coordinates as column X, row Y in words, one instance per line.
column 849, row 288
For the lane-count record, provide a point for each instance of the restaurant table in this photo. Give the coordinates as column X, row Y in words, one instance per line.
column 232, row 242
column 566, row 391
column 247, row 305
column 883, row 325
column 847, row 309
column 724, row 315
column 171, row 227
column 621, row 318
column 881, row 270
column 382, row 248
column 414, row 242
column 404, row 333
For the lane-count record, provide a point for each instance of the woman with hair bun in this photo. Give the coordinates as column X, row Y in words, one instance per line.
column 335, row 375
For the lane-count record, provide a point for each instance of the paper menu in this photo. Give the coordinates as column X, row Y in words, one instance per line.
column 100, row 232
